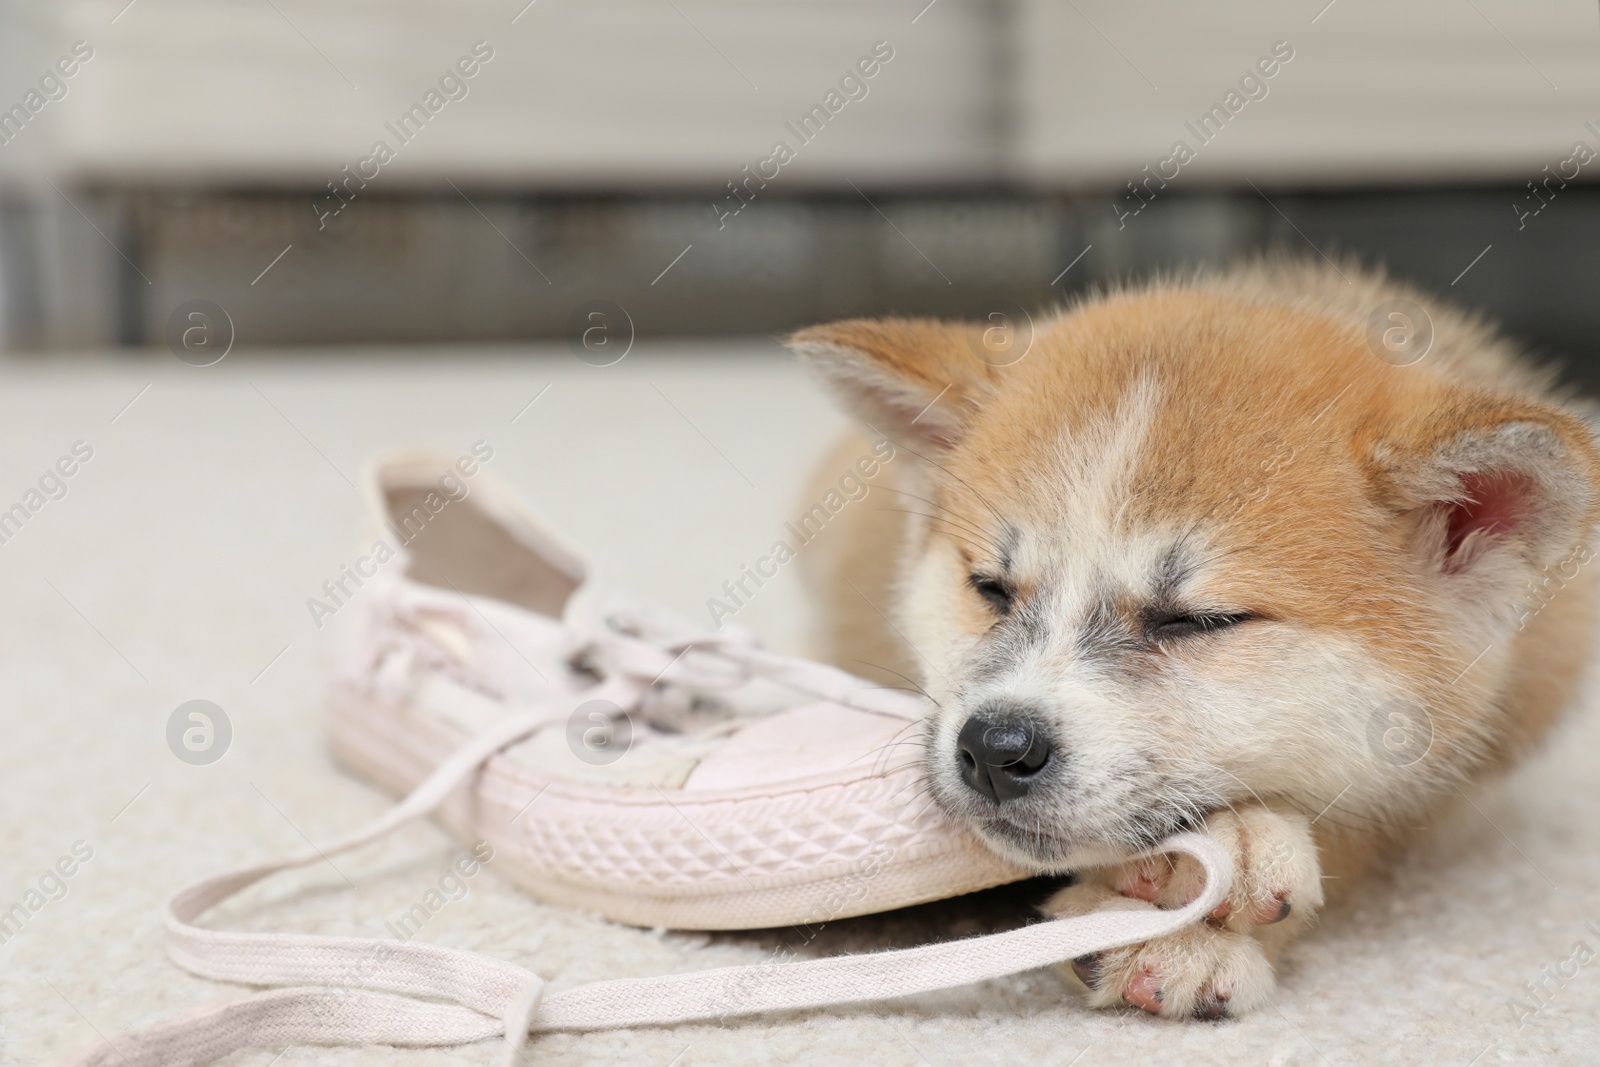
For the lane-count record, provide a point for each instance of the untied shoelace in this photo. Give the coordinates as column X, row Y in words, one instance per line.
column 351, row 991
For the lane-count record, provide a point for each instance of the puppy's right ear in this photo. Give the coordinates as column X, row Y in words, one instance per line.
column 918, row 381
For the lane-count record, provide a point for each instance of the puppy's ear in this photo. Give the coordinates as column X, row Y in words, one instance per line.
column 1492, row 486
column 917, row 380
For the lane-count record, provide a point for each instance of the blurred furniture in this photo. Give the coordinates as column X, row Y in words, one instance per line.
column 603, row 140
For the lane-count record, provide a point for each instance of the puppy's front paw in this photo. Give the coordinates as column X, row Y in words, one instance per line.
column 1223, row 967
column 1206, row 971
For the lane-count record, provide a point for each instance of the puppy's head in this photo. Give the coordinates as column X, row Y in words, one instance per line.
column 1192, row 549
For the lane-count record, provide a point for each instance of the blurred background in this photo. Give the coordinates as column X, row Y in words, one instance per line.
column 246, row 243
column 999, row 152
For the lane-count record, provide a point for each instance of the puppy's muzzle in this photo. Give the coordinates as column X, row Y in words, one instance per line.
column 1001, row 751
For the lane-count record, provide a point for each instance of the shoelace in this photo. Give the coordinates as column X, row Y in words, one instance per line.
column 351, row 991
column 610, row 632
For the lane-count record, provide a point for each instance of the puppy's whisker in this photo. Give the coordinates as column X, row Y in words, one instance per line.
column 912, row 682
column 903, row 790
column 985, row 549
column 1372, row 821
column 1206, row 765
column 899, row 742
column 973, row 527
column 968, row 485
column 1316, row 809
column 923, row 499
column 883, row 752
column 922, row 809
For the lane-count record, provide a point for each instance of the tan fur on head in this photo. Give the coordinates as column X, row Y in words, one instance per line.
column 1223, row 447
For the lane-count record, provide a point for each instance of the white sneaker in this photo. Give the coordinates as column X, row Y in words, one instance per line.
column 666, row 789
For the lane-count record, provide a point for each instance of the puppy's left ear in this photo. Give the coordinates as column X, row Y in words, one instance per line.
column 1492, row 485
column 917, row 380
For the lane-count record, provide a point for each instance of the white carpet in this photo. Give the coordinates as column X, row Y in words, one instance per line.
column 178, row 566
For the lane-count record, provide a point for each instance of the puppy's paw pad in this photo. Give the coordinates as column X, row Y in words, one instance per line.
column 1143, row 879
column 1144, row 991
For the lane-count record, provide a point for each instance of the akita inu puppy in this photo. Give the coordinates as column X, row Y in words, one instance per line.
column 1283, row 553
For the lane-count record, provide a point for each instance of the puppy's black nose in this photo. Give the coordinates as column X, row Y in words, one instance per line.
column 1001, row 753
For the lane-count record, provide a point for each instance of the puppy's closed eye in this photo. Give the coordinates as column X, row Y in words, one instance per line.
column 1171, row 626
column 999, row 594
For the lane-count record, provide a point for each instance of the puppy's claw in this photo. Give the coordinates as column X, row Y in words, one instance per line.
column 1275, row 911
column 1211, row 1005
column 1087, row 968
